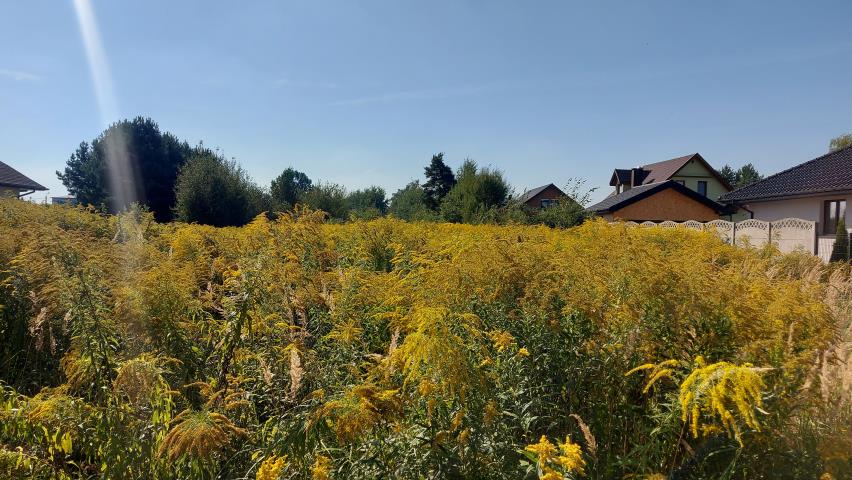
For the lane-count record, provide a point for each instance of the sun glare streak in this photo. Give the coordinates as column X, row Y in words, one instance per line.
column 104, row 91
column 120, row 167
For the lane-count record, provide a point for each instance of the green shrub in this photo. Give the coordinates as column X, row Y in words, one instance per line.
column 212, row 190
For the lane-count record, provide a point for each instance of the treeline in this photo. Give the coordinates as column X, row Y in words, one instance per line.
column 177, row 181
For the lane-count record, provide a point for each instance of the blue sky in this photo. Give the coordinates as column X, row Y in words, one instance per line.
column 363, row 92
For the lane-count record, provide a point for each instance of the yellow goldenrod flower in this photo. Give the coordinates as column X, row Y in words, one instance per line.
column 718, row 390
column 556, row 462
column 544, row 449
column 271, row 468
column 321, row 469
column 571, row 459
column 502, row 339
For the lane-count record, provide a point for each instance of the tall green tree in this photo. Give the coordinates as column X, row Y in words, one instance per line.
column 748, row 174
column 439, row 180
column 476, row 196
column 729, row 174
column 331, row 198
column 212, row 190
column 370, row 202
column 409, row 203
column 290, row 187
column 154, row 158
column 840, row 142
column 741, row 177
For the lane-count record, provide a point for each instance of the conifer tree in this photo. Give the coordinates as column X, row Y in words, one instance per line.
column 439, row 181
column 840, row 251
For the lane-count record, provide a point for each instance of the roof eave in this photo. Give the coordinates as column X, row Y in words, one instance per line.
column 36, row 187
column 771, row 198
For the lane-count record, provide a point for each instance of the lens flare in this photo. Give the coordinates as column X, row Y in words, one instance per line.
column 120, row 166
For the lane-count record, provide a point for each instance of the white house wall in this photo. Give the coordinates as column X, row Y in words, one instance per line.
column 809, row 208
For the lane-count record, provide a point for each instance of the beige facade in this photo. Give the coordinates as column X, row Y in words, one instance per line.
column 667, row 204
column 694, row 172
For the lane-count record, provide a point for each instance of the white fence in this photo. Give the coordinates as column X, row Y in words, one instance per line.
column 788, row 234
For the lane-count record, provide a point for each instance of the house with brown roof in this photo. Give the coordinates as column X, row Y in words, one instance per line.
column 542, row 197
column 818, row 190
column 658, row 202
column 15, row 183
column 680, row 189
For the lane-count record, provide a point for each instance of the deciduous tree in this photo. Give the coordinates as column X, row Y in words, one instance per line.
column 368, row 203
column 409, row 203
column 330, row 198
column 215, row 191
column 477, row 191
column 290, row 187
column 840, row 142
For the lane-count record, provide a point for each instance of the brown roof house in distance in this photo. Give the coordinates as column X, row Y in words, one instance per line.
column 818, row 190
column 15, row 183
column 542, row 197
column 680, row 189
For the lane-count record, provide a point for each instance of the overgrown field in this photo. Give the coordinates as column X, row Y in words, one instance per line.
column 294, row 349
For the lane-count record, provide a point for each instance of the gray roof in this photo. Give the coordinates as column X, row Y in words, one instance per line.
column 831, row 172
column 535, row 191
column 616, row 202
column 9, row 177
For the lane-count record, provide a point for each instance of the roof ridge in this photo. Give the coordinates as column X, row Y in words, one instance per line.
column 685, row 158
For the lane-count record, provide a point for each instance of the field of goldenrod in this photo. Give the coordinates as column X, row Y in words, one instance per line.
column 295, row 349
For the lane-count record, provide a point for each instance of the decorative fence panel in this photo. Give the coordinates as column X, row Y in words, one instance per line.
column 752, row 232
column 791, row 234
column 724, row 229
column 788, row 234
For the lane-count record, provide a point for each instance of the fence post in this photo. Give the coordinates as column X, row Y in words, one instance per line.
column 734, row 233
column 816, row 239
column 769, row 234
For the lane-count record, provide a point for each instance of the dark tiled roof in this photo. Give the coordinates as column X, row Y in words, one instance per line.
column 616, row 202
column 651, row 173
column 829, row 173
column 535, row 191
column 662, row 171
column 9, row 177
column 622, row 175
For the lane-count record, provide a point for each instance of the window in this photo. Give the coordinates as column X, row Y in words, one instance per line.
column 832, row 212
column 702, row 187
column 548, row 202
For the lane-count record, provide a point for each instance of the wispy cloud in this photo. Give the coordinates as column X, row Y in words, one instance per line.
column 19, row 76
column 294, row 83
column 427, row 94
